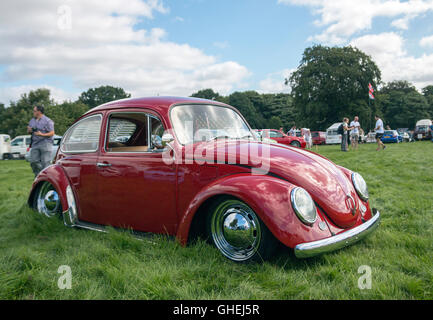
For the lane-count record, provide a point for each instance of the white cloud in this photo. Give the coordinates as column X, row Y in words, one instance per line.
column 8, row 94
column 274, row 82
column 99, row 44
column 344, row 18
column 426, row 41
column 387, row 50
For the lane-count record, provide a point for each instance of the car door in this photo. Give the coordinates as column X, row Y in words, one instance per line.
column 136, row 189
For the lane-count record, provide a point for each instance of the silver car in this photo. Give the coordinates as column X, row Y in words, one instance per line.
column 56, row 144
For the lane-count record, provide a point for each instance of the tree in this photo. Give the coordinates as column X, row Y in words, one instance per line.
column 402, row 105
column 246, row 107
column 274, row 123
column 331, row 83
column 208, row 94
column 428, row 94
column 97, row 96
column 14, row 119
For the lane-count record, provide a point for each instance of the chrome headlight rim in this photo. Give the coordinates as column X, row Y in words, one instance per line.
column 363, row 194
column 298, row 210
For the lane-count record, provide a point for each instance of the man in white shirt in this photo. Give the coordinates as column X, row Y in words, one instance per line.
column 354, row 134
column 379, row 133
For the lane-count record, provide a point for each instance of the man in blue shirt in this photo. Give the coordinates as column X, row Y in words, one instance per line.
column 42, row 129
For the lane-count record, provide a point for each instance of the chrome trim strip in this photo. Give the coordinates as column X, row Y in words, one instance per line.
column 339, row 241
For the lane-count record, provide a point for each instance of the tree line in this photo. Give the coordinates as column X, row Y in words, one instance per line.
column 330, row 83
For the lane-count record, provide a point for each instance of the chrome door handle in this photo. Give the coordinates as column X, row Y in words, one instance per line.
column 101, row 165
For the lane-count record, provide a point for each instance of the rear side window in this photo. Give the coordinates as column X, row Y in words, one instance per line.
column 83, row 136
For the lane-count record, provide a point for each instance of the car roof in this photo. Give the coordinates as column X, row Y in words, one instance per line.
column 163, row 103
column 335, row 125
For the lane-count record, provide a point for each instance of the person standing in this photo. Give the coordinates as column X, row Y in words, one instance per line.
column 42, row 129
column 379, row 133
column 354, row 134
column 292, row 132
column 345, row 135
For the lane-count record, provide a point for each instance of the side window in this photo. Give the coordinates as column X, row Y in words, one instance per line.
column 130, row 132
column 83, row 136
column 17, row 142
column 28, row 141
column 275, row 134
column 127, row 132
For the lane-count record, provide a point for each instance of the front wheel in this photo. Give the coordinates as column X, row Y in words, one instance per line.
column 238, row 233
column 47, row 200
column 295, row 144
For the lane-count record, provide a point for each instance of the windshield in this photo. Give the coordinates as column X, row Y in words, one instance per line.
column 193, row 123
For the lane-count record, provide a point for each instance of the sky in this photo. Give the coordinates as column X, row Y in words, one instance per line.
column 177, row 47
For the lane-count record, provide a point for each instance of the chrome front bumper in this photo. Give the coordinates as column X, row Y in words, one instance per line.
column 341, row 240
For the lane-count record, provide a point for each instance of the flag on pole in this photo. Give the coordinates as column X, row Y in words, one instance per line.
column 370, row 91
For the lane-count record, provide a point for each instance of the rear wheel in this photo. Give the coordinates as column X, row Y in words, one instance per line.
column 238, row 233
column 295, row 144
column 47, row 200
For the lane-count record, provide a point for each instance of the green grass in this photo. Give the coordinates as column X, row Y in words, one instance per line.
column 118, row 266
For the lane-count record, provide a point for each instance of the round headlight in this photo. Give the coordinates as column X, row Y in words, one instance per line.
column 304, row 206
column 360, row 186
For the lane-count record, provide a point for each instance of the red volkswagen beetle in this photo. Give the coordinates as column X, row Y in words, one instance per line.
column 283, row 138
column 187, row 167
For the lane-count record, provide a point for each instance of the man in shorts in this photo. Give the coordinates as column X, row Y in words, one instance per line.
column 379, row 133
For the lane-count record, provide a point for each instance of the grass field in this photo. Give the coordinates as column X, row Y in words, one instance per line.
column 118, row 266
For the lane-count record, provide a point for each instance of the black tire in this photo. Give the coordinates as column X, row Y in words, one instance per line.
column 295, row 144
column 46, row 200
column 238, row 232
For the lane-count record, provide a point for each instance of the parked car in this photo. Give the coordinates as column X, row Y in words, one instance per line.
column 319, row 137
column 391, row 136
column 405, row 134
column 165, row 186
column 19, row 146
column 56, row 144
column 283, row 138
column 332, row 136
column 370, row 137
column 422, row 130
column 259, row 136
column 5, row 147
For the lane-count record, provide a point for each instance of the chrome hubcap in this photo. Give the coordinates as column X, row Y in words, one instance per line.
column 48, row 201
column 235, row 230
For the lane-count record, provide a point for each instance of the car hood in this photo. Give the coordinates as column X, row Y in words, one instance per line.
column 330, row 188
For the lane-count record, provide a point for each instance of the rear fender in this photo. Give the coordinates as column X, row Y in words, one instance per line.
column 269, row 197
column 55, row 175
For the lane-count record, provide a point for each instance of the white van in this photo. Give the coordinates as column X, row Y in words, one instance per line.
column 332, row 136
column 422, row 130
column 5, row 146
column 19, row 146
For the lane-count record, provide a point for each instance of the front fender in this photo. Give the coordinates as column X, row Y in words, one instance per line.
column 55, row 175
column 269, row 197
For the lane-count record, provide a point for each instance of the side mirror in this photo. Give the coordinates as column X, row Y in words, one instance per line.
column 167, row 138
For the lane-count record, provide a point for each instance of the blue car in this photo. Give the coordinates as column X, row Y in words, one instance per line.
column 391, row 136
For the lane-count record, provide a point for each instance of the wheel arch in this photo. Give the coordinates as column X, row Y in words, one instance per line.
column 55, row 175
column 268, row 196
